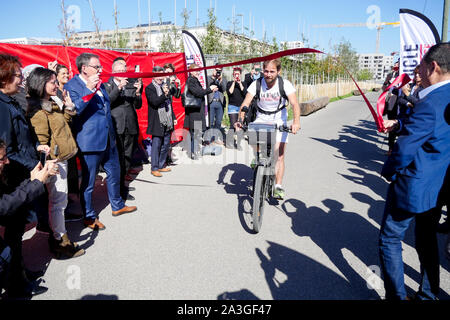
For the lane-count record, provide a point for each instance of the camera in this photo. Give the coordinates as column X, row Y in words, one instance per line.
column 218, row 73
column 131, row 82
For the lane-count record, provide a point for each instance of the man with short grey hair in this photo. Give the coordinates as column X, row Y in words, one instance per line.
column 94, row 132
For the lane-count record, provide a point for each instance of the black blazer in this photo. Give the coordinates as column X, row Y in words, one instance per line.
column 155, row 128
column 20, row 139
column 18, row 198
column 123, row 107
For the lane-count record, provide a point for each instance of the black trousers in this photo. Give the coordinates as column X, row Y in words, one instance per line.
column 125, row 147
column 14, row 230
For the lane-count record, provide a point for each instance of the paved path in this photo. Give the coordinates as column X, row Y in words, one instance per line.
column 191, row 237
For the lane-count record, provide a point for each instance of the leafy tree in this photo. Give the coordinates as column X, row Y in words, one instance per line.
column 211, row 42
column 346, row 56
column 168, row 41
column 122, row 41
column 364, row 74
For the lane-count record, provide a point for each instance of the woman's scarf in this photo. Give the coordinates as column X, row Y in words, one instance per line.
column 164, row 112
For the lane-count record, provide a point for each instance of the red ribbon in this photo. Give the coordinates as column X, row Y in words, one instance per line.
column 403, row 79
column 90, row 96
column 377, row 117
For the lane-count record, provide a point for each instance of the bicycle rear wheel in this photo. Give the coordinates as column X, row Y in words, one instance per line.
column 259, row 196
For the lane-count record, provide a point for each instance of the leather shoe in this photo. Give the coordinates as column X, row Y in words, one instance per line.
column 129, row 197
column 156, row 174
column 124, row 210
column 26, row 291
column 94, row 224
column 165, row 169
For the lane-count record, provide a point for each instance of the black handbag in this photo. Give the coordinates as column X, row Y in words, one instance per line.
column 188, row 99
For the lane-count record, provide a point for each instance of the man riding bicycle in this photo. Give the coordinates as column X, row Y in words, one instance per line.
column 271, row 108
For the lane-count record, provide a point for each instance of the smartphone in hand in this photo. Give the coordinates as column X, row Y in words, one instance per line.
column 43, row 158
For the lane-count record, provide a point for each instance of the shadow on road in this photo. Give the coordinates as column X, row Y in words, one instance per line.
column 240, row 184
column 334, row 230
column 291, row 275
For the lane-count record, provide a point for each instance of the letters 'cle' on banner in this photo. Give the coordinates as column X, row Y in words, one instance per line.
column 417, row 35
column 194, row 54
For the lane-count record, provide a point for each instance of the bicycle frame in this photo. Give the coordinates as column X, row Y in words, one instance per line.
column 264, row 171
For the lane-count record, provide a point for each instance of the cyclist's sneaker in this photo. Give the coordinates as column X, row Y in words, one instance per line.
column 253, row 164
column 279, row 193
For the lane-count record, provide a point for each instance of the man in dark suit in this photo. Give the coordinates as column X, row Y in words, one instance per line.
column 125, row 97
column 417, row 170
column 95, row 137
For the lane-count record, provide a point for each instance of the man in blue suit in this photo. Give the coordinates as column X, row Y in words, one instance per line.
column 95, row 136
column 417, row 169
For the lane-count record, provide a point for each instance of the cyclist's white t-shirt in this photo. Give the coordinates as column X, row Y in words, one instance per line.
column 269, row 100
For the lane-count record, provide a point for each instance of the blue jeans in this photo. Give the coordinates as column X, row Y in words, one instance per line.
column 196, row 141
column 160, row 149
column 215, row 115
column 393, row 228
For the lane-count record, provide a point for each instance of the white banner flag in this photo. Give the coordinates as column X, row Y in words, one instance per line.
column 194, row 54
column 417, row 35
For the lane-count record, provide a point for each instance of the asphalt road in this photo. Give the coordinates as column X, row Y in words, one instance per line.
column 191, row 237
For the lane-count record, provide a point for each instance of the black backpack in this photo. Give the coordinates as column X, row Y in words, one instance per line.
column 253, row 108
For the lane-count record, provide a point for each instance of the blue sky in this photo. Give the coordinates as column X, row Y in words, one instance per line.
column 280, row 18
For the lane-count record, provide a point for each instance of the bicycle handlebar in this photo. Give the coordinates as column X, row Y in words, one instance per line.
column 282, row 128
column 244, row 125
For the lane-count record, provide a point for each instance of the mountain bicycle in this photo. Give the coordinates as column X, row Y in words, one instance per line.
column 264, row 166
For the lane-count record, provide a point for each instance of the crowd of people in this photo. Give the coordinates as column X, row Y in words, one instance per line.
column 48, row 128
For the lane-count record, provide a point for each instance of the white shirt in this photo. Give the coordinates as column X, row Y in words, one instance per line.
column 269, row 99
column 426, row 91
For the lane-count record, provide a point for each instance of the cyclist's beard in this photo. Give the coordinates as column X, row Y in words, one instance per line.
column 270, row 82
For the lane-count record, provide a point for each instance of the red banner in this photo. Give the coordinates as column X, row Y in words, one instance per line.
column 36, row 54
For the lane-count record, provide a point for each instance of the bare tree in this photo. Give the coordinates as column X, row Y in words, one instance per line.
column 96, row 24
column 116, row 23
column 64, row 27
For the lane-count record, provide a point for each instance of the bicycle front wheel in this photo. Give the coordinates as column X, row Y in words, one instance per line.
column 259, row 196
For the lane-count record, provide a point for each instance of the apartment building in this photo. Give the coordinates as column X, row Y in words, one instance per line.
column 378, row 64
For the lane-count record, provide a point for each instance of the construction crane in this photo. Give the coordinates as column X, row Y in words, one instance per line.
column 379, row 26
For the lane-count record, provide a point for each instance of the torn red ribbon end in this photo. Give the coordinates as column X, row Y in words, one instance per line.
column 403, row 79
